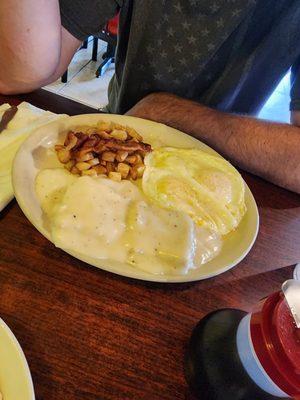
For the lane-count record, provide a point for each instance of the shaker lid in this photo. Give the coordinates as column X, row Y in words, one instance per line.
column 276, row 341
column 291, row 291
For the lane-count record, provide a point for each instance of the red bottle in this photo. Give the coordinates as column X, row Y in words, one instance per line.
column 237, row 356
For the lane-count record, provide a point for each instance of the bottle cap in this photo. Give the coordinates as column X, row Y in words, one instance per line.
column 291, row 291
column 296, row 273
column 276, row 341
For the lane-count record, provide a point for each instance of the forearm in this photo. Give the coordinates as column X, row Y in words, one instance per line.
column 267, row 149
column 295, row 118
column 30, row 37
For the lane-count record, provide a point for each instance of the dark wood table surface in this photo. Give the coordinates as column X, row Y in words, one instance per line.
column 89, row 334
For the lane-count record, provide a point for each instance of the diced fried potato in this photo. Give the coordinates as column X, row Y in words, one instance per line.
column 84, row 150
column 139, row 159
column 123, row 169
column 83, row 166
column 64, row 155
column 70, row 165
column 100, row 169
column 94, row 161
column 68, row 138
column 131, row 159
column 108, row 156
column 72, row 141
column 99, row 148
column 91, row 130
column 58, row 147
column 91, row 142
column 104, row 134
column 133, row 133
column 137, row 171
column 90, row 172
column 110, row 167
column 115, row 176
column 121, row 155
column 82, row 156
column 74, row 170
column 104, row 126
column 133, row 173
column 97, row 151
column 140, row 170
column 119, row 134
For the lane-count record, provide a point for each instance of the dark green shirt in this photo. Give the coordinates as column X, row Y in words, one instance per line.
column 228, row 54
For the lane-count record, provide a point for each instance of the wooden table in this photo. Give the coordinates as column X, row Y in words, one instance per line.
column 89, row 334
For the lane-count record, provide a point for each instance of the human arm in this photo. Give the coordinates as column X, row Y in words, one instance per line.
column 38, row 38
column 34, row 49
column 295, row 118
column 267, row 149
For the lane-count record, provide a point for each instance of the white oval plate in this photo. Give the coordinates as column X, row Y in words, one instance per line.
column 15, row 378
column 36, row 153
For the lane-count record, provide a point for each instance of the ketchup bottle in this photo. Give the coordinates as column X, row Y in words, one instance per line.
column 233, row 355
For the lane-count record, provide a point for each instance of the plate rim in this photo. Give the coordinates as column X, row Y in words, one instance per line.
column 11, row 336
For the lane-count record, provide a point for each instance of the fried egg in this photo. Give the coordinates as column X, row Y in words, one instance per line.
column 206, row 187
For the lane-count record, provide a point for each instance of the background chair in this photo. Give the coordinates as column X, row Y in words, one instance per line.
column 109, row 34
column 64, row 78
